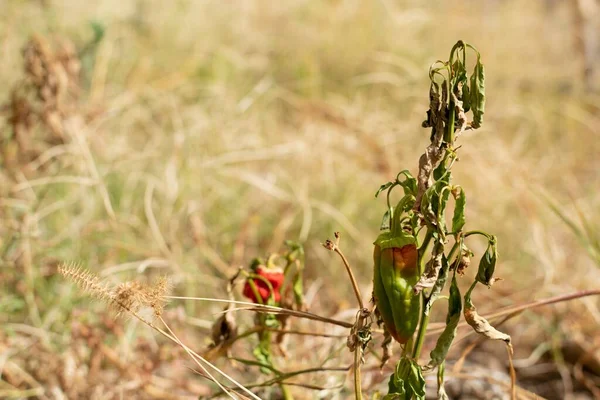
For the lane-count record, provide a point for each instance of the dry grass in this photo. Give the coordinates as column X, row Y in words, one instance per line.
column 204, row 135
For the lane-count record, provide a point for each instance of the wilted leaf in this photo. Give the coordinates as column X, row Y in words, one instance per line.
column 480, row 324
column 477, row 91
column 458, row 220
column 466, row 98
column 409, row 184
column 383, row 187
column 465, row 259
column 487, row 264
column 438, row 354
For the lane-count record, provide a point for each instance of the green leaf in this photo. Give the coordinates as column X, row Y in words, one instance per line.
column 438, row 354
column 383, row 187
column 458, row 220
column 487, row 264
column 406, row 382
column 433, row 203
column 477, row 92
column 409, row 184
column 404, row 205
column 466, row 98
column 262, row 353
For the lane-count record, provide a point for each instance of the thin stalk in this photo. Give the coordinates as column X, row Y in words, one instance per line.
column 357, row 383
column 267, row 309
column 285, row 391
column 334, row 246
column 352, row 278
column 469, row 233
column 449, row 134
column 422, row 328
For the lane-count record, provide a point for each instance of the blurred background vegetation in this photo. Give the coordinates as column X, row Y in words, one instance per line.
column 188, row 137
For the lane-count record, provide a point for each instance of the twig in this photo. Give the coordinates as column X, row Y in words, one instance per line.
column 520, row 308
column 329, row 245
column 360, row 335
column 268, row 309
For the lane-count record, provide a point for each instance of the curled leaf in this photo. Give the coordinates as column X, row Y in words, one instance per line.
column 458, row 220
column 482, row 326
column 383, row 187
column 487, row 264
column 477, row 92
column 464, row 261
column 409, row 184
column 438, row 354
column 466, row 98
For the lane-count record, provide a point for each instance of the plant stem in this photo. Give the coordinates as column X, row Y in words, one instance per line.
column 422, row 328
column 352, row 278
column 357, row 384
column 449, row 134
column 467, row 234
column 285, row 392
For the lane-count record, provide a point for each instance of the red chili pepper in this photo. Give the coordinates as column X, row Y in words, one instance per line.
column 274, row 276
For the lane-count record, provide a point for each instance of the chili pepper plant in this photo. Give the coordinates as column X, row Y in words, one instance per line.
column 419, row 253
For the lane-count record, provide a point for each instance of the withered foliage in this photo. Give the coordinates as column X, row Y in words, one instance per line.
column 41, row 100
column 86, row 364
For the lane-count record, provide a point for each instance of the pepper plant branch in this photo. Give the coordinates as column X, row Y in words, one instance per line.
column 334, row 246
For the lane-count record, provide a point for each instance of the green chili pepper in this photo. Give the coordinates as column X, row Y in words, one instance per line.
column 395, row 273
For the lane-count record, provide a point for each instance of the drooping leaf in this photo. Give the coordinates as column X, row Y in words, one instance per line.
column 458, row 220
column 480, row 324
column 465, row 259
column 477, row 92
column 438, row 354
column 487, row 264
column 383, row 187
column 409, row 184
column 466, row 98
